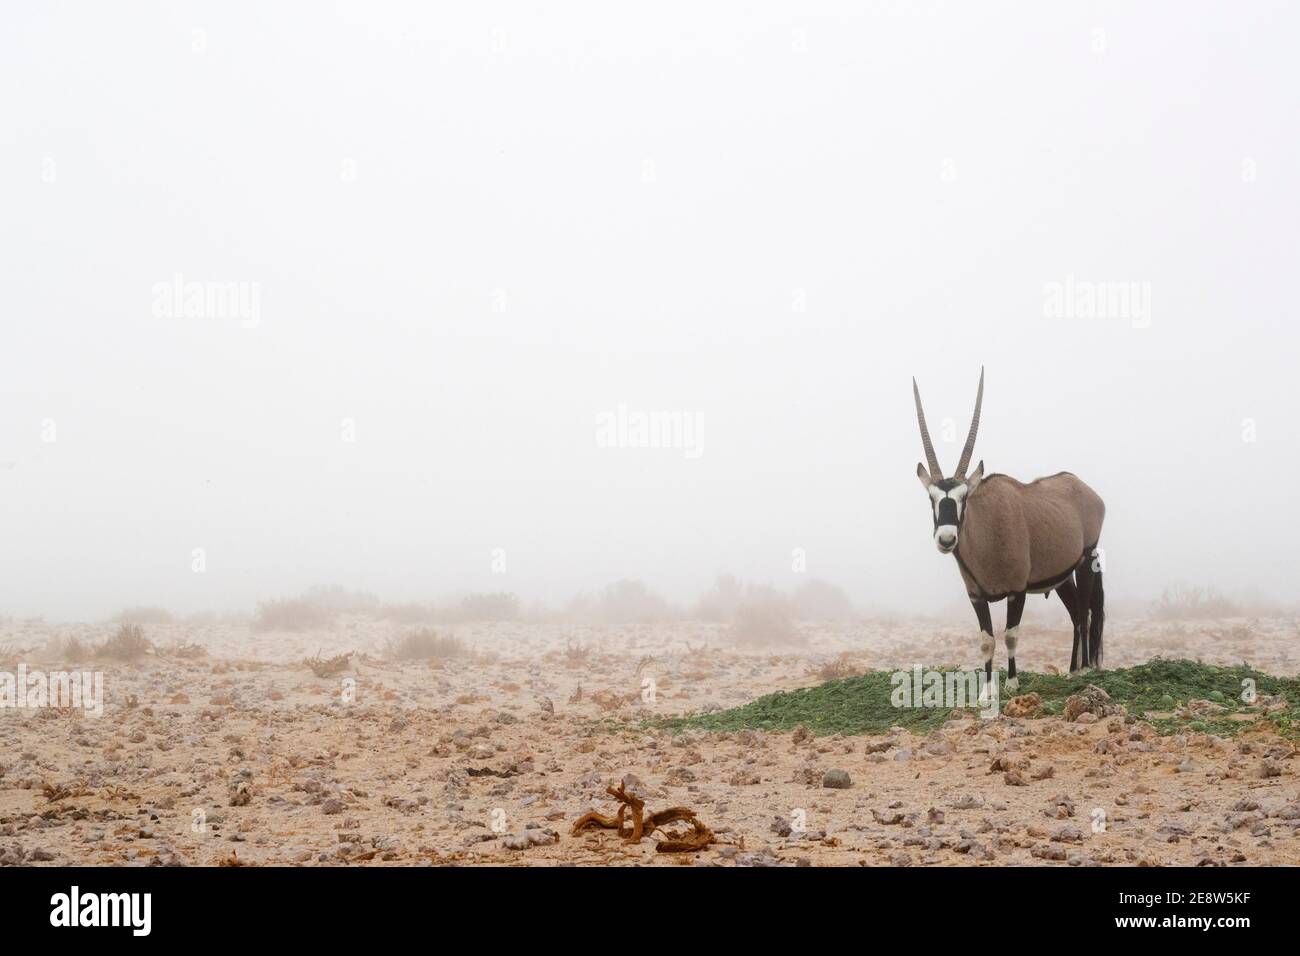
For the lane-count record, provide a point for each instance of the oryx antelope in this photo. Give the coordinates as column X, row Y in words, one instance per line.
column 1011, row 539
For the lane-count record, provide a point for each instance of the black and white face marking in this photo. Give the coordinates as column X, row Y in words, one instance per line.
column 948, row 499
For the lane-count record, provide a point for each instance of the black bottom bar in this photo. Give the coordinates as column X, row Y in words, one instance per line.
column 335, row 905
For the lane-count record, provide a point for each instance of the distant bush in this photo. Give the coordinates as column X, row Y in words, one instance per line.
column 143, row 615
column 425, row 644
column 291, row 614
column 538, row 612
column 1182, row 602
column 127, row 644
column 409, row 613
column 819, row 600
column 765, row 619
column 581, row 607
column 628, row 602
column 71, row 649
column 728, row 600
column 499, row 606
column 339, row 600
column 721, row 603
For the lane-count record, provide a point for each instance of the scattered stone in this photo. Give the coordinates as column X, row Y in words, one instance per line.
column 764, row 857
column 1093, row 700
column 529, row 838
column 1068, row 834
column 837, row 780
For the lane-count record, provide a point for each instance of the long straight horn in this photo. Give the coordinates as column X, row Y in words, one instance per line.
column 974, row 427
column 936, row 473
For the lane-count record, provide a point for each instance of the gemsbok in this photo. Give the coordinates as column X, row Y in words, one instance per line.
column 1011, row 539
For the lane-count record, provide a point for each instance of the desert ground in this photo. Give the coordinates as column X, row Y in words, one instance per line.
column 226, row 748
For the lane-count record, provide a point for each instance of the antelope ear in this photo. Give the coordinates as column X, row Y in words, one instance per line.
column 973, row 481
column 923, row 475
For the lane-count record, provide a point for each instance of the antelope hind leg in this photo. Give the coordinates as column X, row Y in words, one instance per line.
column 1015, row 607
column 1083, row 598
column 1069, row 596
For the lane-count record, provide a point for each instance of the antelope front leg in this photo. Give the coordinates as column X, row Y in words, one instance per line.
column 986, row 635
column 1015, row 607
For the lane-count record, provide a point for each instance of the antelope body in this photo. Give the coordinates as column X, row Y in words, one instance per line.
column 1011, row 539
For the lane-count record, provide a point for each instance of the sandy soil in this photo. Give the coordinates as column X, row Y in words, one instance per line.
column 245, row 754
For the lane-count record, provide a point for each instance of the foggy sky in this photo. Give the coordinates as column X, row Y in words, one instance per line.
column 472, row 233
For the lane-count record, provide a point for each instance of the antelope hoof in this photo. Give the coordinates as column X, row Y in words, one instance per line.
column 1013, row 684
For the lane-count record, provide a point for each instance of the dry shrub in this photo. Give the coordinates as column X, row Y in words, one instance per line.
column 182, row 650
column 576, row 653
column 611, row 700
column 71, row 649
column 142, row 614
column 841, row 667
column 291, row 614
column 426, row 644
column 127, row 644
column 700, row 656
column 329, row 666
column 765, row 620
column 1182, row 602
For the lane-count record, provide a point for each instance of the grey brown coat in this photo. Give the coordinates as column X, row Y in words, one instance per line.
column 1018, row 537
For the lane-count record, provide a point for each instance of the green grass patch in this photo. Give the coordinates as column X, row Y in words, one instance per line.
column 863, row 704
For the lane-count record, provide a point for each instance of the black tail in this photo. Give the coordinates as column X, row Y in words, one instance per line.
column 1097, row 605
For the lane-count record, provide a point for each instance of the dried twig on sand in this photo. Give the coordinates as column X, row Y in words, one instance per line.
column 61, row 791
column 182, row 650
column 329, row 666
column 697, row 838
column 612, row 700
